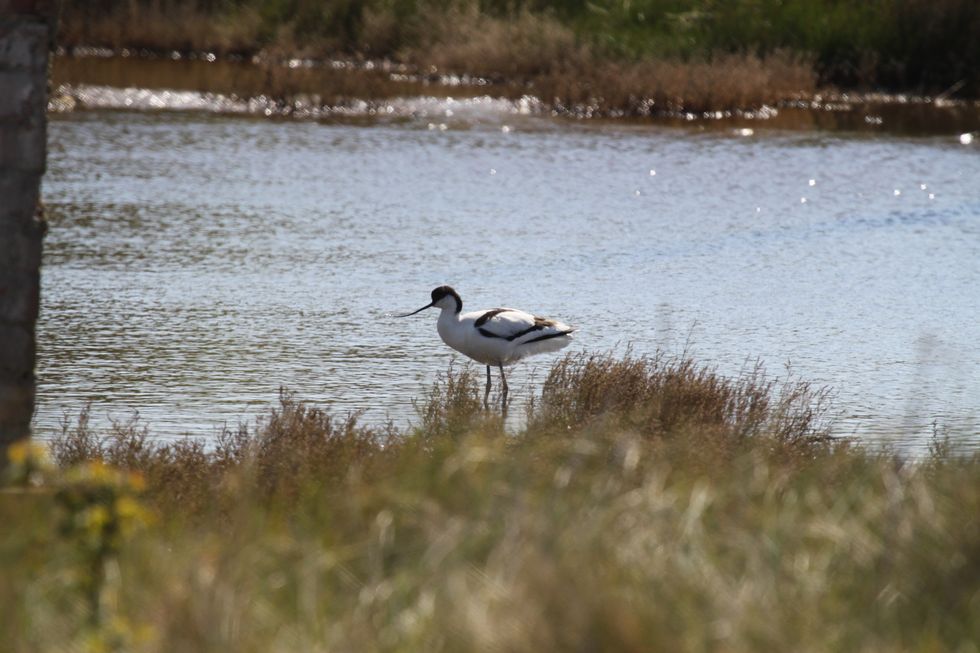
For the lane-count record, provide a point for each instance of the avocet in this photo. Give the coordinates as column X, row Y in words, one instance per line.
column 497, row 337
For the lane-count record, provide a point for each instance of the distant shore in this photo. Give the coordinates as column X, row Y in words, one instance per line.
column 611, row 58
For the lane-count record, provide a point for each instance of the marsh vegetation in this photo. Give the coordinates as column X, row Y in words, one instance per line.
column 633, row 57
column 648, row 504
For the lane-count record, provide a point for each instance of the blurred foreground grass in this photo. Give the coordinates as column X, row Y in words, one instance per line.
column 648, row 505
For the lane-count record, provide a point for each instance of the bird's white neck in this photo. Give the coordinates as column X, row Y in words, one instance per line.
column 449, row 316
column 448, row 326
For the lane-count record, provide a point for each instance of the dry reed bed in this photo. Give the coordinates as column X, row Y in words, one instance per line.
column 649, row 504
column 534, row 53
column 684, row 54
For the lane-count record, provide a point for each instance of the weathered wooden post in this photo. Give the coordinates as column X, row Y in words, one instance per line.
column 26, row 32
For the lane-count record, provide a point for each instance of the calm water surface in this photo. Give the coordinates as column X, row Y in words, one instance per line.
column 197, row 263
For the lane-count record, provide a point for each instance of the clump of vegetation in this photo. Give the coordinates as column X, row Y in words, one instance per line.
column 662, row 398
column 649, row 504
column 906, row 45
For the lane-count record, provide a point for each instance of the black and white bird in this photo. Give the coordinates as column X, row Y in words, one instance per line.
column 497, row 337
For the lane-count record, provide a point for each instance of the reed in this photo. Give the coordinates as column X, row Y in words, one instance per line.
column 903, row 45
column 649, row 504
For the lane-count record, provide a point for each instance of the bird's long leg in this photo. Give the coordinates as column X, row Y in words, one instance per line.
column 503, row 380
column 486, row 395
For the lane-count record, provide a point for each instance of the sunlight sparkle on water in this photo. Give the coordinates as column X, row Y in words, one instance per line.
column 966, row 138
column 219, row 318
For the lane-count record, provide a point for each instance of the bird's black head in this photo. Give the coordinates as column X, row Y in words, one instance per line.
column 442, row 292
column 439, row 300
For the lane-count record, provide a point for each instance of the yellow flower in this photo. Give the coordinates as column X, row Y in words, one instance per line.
column 100, row 472
column 17, row 452
column 127, row 507
column 25, row 452
column 136, row 481
column 95, row 517
column 28, row 463
column 131, row 513
column 93, row 471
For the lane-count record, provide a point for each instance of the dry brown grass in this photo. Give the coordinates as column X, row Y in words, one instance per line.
column 663, row 398
column 669, row 86
column 298, row 449
column 540, row 52
column 529, row 52
column 699, row 54
column 159, row 28
column 524, row 46
column 650, row 504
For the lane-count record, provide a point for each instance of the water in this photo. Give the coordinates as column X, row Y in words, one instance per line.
column 198, row 262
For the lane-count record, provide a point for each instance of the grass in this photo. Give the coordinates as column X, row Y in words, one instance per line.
column 631, row 57
column 649, row 504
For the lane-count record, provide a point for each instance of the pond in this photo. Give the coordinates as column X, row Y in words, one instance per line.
column 200, row 260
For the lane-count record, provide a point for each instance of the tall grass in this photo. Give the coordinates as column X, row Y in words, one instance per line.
column 893, row 44
column 649, row 504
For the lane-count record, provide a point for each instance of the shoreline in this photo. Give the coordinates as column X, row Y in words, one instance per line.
column 695, row 54
column 100, row 78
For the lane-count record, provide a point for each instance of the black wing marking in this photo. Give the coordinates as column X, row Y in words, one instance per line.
column 539, row 324
column 549, row 336
column 486, row 317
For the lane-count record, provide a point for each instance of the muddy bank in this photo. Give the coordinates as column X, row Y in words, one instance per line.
column 896, row 45
column 386, row 91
